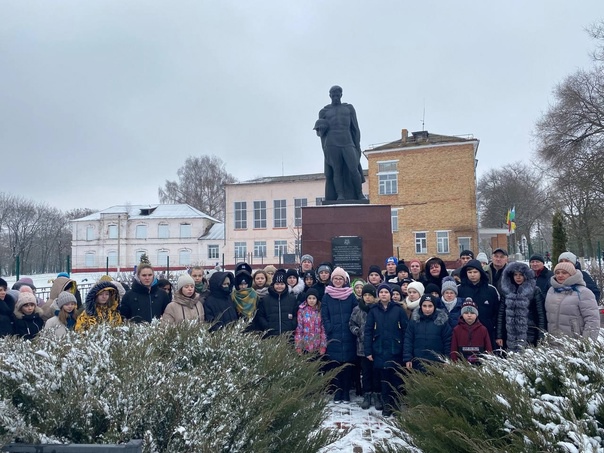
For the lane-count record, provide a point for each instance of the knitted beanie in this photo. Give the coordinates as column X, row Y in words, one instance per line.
column 469, row 253
column 243, row 276
column 392, row 260
column 377, row 269
column 184, row 279
column 64, row 298
column 307, row 258
column 357, row 282
column 385, row 286
column 396, row 289
column 311, row 292
column 26, row 289
column 401, row 267
column 431, row 288
column 243, row 266
column 280, row 277
column 570, row 256
column 339, row 272
column 323, row 267
column 25, row 298
column 369, row 289
column 537, row 258
column 449, row 283
column 469, row 307
column 417, row 286
column 568, row 267
column 3, row 284
column 292, row 273
column 427, row 297
column 482, row 258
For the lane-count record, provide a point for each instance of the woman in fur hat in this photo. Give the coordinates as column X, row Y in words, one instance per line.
column 521, row 316
column 186, row 305
column 101, row 304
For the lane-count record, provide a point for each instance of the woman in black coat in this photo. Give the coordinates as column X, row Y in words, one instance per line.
column 278, row 311
column 219, row 309
column 145, row 301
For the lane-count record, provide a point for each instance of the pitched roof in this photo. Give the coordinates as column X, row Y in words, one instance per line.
column 156, row 211
column 288, row 178
column 422, row 138
column 216, row 233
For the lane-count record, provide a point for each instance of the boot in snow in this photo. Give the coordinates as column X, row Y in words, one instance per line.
column 366, row 404
column 377, row 398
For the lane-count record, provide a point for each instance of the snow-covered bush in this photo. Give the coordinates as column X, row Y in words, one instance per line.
column 180, row 388
column 548, row 398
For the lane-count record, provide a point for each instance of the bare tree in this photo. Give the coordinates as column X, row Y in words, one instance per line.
column 200, row 184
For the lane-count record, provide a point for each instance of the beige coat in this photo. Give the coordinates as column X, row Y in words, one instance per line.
column 55, row 326
column 183, row 308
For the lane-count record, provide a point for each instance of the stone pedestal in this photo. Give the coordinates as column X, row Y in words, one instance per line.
column 325, row 229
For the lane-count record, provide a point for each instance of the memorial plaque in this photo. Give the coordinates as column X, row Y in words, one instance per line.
column 347, row 253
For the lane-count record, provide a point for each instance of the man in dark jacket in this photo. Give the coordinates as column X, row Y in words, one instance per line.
column 145, row 301
column 570, row 257
column 219, row 309
column 499, row 259
column 475, row 285
column 278, row 310
column 542, row 273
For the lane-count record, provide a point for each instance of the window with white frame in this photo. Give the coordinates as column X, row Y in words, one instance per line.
column 185, row 231
column 442, row 242
column 421, row 243
column 299, row 203
column 112, row 258
column 240, row 215
column 464, row 244
column 90, row 233
column 259, row 249
column 279, row 214
column 89, row 259
column 280, row 247
column 394, row 219
column 141, row 232
column 112, row 231
column 184, row 257
column 260, row 214
column 162, row 257
column 387, row 177
column 240, row 250
column 138, row 255
column 163, row 231
column 213, row 251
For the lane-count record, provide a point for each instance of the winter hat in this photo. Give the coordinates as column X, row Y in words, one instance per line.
column 106, row 278
column 184, row 279
column 280, row 277
column 243, row 276
column 482, row 258
column 448, row 283
column 537, row 258
column 26, row 289
column 406, row 280
column 376, row 269
column 292, row 273
column 25, row 298
column 570, row 256
column 432, row 288
column 568, row 267
column 384, row 286
column 270, row 269
column 401, row 267
column 310, row 274
column 64, row 298
column 392, row 260
column 311, row 292
column 324, row 267
column 307, row 258
column 427, row 297
column 29, row 282
column 243, row 267
column 469, row 307
column 357, row 282
column 3, row 283
column 339, row 272
column 62, row 274
column 397, row 289
column 369, row 289
column 469, row 253
column 415, row 260
column 417, row 286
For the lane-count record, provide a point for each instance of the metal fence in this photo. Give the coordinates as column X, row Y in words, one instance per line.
column 134, row 446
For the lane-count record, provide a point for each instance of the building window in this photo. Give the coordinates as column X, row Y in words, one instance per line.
column 240, row 250
column 185, row 231
column 163, row 231
column 421, row 244
column 240, row 215
column 162, row 257
column 141, row 232
column 259, row 214
column 280, row 248
column 442, row 242
column 464, row 244
column 138, row 255
column 280, row 214
column 388, row 177
column 184, row 257
column 89, row 259
column 112, row 232
column 394, row 219
column 213, row 252
column 299, row 203
column 259, row 249
column 319, row 201
column 112, row 258
column 90, row 233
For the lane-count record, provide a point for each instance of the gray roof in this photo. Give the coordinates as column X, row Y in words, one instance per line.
column 421, row 138
column 156, row 211
column 288, row 178
column 216, row 233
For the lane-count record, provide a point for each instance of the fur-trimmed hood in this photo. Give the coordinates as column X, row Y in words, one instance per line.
column 59, row 285
column 95, row 290
column 508, row 285
column 439, row 315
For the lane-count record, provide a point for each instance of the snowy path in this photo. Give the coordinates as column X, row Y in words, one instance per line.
column 362, row 428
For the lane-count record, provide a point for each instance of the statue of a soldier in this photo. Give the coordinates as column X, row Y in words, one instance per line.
column 341, row 140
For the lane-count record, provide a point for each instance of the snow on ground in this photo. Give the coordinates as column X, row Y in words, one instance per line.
column 362, row 429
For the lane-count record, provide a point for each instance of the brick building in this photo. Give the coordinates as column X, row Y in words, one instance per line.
column 429, row 181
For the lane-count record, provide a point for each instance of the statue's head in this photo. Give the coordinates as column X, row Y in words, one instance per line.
column 335, row 93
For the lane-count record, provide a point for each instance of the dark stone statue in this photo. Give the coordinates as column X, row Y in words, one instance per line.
column 341, row 140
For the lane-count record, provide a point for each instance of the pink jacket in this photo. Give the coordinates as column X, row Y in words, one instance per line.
column 310, row 333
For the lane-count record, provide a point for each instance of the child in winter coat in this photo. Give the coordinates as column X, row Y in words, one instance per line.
column 186, row 305
column 449, row 300
column 28, row 316
column 397, row 293
column 65, row 316
column 383, row 344
column 375, row 276
column 295, row 285
column 277, row 312
column 415, row 291
column 102, row 303
column 428, row 335
column 310, row 332
column 7, row 305
column 470, row 337
column 260, row 283
column 370, row 378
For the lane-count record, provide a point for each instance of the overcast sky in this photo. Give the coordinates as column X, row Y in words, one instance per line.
column 102, row 101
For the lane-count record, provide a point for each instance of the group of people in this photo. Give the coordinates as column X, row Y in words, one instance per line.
column 402, row 316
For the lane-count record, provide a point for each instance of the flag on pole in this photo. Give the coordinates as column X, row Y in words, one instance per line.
column 510, row 220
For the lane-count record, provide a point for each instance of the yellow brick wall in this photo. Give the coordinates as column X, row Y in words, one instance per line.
column 436, row 191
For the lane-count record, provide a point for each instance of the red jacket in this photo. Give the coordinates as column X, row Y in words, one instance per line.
column 469, row 341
